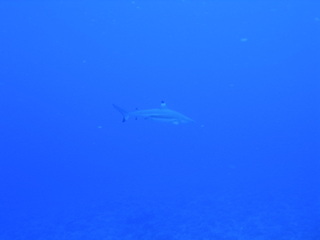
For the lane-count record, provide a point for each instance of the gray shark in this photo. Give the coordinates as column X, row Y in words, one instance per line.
column 162, row 114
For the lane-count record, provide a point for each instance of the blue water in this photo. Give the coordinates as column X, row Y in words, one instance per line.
column 247, row 72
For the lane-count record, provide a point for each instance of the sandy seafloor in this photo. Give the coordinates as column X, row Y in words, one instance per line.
column 202, row 217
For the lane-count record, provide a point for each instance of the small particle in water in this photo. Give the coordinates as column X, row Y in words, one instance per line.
column 99, row 127
column 244, row 39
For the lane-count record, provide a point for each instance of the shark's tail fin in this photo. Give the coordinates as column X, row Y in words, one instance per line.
column 123, row 112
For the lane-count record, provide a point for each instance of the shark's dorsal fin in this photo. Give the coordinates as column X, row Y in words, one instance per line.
column 163, row 104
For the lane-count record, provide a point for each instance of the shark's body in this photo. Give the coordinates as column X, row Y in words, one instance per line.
column 162, row 114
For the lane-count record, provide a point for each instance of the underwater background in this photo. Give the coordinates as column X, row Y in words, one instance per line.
column 247, row 72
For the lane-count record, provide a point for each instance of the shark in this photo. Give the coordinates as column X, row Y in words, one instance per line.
column 162, row 114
